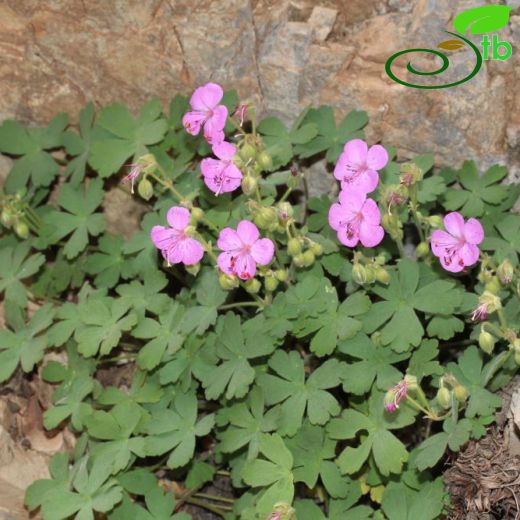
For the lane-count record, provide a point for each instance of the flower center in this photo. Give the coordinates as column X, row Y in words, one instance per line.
column 353, row 171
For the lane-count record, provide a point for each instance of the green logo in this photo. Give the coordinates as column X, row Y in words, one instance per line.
column 479, row 20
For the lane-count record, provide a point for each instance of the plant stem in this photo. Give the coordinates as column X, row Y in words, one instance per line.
column 218, row 510
column 286, row 194
column 239, row 304
column 400, row 247
column 502, row 319
column 215, row 498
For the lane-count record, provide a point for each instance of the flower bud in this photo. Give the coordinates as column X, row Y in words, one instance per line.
column 411, row 382
column 435, row 221
column 285, row 210
column 461, row 394
column 392, row 224
column 228, row 282
column 145, row 189
column 382, row 275
column 282, row 275
column 422, row 250
column 249, row 184
column 197, row 214
column 486, row 341
column 370, row 274
column 410, row 174
column 7, row 218
column 299, row 260
column 266, row 218
column 271, row 283
column 248, row 151
column 193, row 269
column 493, row 286
column 444, row 397
column 359, row 274
column 265, row 161
column 317, row 249
column 252, row 286
column 517, row 358
column 505, row 272
column 380, row 260
column 308, row 258
column 21, row 229
column 294, row 247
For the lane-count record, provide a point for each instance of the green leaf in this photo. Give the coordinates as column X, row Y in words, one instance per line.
column 430, row 189
column 484, row 19
column 388, row 451
column 297, row 395
column 236, row 345
column 274, row 473
column 78, row 145
column 24, row 346
column 32, row 144
column 79, row 221
column 246, row 421
column 103, row 324
column 470, row 373
column 15, row 266
column 480, row 193
column 376, row 364
column 174, row 430
column 403, row 503
column 118, row 136
column 165, row 335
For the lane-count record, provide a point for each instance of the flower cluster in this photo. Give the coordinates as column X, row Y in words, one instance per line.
column 355, row 217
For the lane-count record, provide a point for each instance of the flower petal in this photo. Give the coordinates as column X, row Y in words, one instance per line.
column 473, row 231
column 247, row 232
column 206, row 97
column 216, row 122
column 225, row 262
column 469, row 253
column 162, row 237
column 337, row 215
column 245, row 267
column 370, row 235
column 178, row 218
column 192, row 121
column 191, row 251
column 224, row 150
column 377, row 157
column 352, row 200
column 350, row 242
column 454, row 224
column 228, row 240
column 365, row 182
column 440, row 241
column 371, row 213
column 341, row 172
column 262, row 251
column 454, row 264
column 356, row 151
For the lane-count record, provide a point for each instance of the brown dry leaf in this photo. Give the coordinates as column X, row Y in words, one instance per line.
column 451, row 45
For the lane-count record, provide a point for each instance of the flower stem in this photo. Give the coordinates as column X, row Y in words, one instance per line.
column 286, row 194
column 239, row 304
column 215, row 498
column 502, row 319
column 218, row 510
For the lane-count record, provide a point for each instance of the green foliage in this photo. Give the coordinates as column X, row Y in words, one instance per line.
column 176, row 380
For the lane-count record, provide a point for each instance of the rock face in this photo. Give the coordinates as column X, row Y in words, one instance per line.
column 281, row 54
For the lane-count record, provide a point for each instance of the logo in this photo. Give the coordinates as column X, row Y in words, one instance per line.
column 479, row 20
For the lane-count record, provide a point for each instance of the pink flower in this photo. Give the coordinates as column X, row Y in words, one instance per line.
column 243, row 249
column 240, row 112
column 207, row 113
column 457, row 246
column 135, row 171
column 176, row 247
column 357, row 166
column 356, row 219
column 221, row 175
column 395, row 395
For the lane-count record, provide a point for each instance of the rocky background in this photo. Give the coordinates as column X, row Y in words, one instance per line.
column 55, row 55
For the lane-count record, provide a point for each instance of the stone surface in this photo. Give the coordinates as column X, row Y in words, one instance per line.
column 280, row 54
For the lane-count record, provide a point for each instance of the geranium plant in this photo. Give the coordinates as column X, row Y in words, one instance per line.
column 318, row 358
